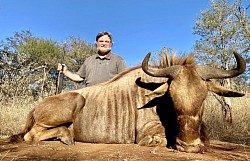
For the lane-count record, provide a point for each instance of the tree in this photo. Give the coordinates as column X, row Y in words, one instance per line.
column 21, row 72
column 41, row 51
column 76, row 50
column 223, row 28
column 29, row 64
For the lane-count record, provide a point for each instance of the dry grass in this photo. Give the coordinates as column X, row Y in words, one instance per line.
column 13, row 115
column 239, row 130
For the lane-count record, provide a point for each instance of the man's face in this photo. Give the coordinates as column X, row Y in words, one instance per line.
column 104, row 44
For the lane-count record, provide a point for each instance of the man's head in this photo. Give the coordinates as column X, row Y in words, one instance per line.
column 104, row 42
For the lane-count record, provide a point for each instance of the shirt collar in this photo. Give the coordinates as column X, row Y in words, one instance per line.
column 108, row 56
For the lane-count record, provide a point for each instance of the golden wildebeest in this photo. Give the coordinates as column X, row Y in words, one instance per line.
column 149, row 106
column 50, row 119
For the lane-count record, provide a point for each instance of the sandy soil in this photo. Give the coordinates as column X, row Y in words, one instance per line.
column 55, row 150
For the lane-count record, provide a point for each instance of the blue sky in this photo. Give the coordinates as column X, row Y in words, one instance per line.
column 137, row 26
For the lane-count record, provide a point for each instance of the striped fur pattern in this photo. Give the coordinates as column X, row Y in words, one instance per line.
column 123, row 110
column 112, row 111
column 118, row 111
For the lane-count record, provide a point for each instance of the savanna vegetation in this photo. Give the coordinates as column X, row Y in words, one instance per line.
column 224, row 28
column 28, row 70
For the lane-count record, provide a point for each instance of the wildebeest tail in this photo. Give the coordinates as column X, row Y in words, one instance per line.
column 27, row 127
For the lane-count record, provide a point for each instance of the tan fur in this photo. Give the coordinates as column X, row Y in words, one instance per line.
column 111, row 113
column 48, row 118
column 117, row 111
column 188, row 90
column 167, row 61
column 222, row 91
column 160, row 91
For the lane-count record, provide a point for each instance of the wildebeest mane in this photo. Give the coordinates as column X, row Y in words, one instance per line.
column 167, row 61
column 121, row 75
column 164, row 61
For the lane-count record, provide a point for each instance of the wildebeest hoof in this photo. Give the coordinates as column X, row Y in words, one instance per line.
column 155, row 140
column 68, row 141
column 145, row 141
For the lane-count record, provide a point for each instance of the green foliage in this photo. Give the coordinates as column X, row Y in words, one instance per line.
column 18, row 39
column 41, row 51
column 77, row 50
column 36, row 50
column 28, row 64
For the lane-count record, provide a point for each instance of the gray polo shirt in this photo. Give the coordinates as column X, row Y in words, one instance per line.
column 97, row 70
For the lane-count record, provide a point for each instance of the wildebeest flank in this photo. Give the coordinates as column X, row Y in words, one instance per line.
column 111, row 113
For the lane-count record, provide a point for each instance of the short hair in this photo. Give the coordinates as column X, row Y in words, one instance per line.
column 100, row 34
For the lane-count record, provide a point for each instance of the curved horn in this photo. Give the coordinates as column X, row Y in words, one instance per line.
column 169, row 72
column 214, row 73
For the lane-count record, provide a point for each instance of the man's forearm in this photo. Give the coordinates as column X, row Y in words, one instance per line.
column 73, row 77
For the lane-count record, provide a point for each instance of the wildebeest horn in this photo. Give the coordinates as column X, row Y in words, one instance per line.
column 213, row 73
column 169, row 72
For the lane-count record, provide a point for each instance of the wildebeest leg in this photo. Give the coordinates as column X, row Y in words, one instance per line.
column 152, row 134
column 39, row 133
column 60, row 132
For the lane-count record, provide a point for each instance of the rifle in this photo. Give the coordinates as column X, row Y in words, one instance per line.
column 60, row 76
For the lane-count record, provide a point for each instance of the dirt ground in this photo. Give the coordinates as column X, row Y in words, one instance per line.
column 55, row 150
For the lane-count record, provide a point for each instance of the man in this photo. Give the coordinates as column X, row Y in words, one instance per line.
column 100, row 67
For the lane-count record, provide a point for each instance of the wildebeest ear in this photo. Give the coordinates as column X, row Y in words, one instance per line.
column 160, row 91
column 147, row 85
column 222, row 91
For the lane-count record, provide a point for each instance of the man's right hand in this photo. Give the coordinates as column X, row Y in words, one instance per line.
column 62, row 68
